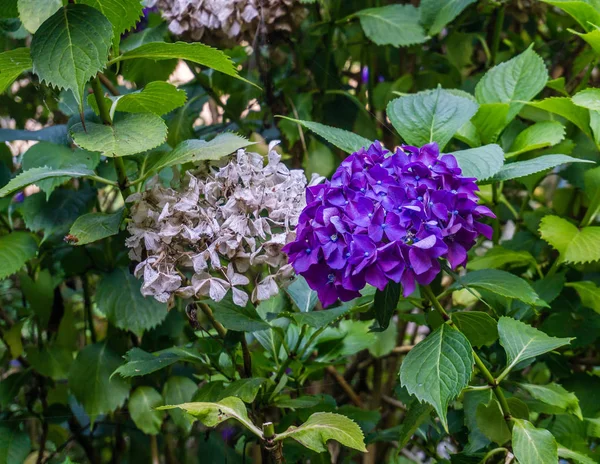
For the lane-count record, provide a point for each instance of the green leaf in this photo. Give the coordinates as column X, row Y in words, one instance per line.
column 583, row 11
column 179, row 390
column 430, row 116
column 195, row 151
column 502, row 283
column 532, row 445
column 96, row 226
column 34, row 175
column 344, row 140
column 522, row 342
column 540, row 135
column 324, row 426
column 244, row 389
column 40, row 295
column 564, row 106
column 139, row 362
column 234, row 317
column 574, row 456
column 490, row 120
column 396, row 25
column 56, row 157
column 53, row 361
column 195, row 52
column 574, row 245
column 33, row 13
column 13, row 63
column 438, row 368
column 213, row 414
column 416, row 414
column 302, row 295
column 435, row 14
column 385, row 303
column 318, row 319
column 477, row 326
column 134, row 133
column 471, row 400
column 54, row 134
column 498, row 257
column 71, row 47
column 123, row 14
column 14, row 445
column 589, row 293
column 157, row 97
column 588, row 98
column 592, row 38
column 119, row 297
column 481, row 162
column 16, row 249
column 554, row 395
column 520, row 169
column 91, row 383
column 515, row 81
column 518, row 408
column 490, row 421
column 142, row 409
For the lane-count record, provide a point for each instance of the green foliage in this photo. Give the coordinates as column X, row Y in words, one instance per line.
column 142, row 407
column 477, row 326
column 532, row 445
column 34, row 12
column 92, row 227
column 574, row 245
column 502, row 283
column 520, row 169
column 17, row 248
column 34, row 175
column 396, row 25
column 12, row 64
column 481, row 162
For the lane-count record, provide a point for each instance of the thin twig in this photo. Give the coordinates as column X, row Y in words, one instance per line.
column 345, row 386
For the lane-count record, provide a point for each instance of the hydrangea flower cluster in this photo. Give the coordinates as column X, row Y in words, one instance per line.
column 229, row 18
column 218, row 233
column 386, row 217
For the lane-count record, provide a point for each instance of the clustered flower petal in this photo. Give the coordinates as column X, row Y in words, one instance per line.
column 386, row 217
column 229, row 18
column 218, row 233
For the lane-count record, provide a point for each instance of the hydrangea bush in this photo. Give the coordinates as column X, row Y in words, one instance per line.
column 299, row 231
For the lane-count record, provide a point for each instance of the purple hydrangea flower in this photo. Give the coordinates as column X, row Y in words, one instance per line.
column 385, row 217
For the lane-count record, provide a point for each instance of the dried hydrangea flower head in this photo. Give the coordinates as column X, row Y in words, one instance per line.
column 218, row 233
column 386, row 217
column 229, row 18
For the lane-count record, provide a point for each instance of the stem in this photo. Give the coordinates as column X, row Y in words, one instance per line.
column 346, row 386
column 99, row 96
column 247, row 358
column 554, row 267
column 102, row 180
column 493, row 453
column 154, row 450
column 484, row 370
column 87, row 299
column 210, row 316
column 496, row 225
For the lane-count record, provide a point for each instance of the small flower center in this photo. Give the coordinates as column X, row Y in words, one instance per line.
column 366, row 254
column 308, row 250
column 330, row 278
column 334, row 238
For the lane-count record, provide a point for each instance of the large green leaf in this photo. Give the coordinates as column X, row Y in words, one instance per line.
column 178, row 390
column 53, row 361
column 195, row 151
column 34, row 12
column 490, row 120
column 344, row 140
column 540, row 135
column 490, row 421
column 525, row 168
column 416, row 414
column 396, row 25
column 318, row 319
column 92, row 227
column 438, row 368
column 588, row 98
column 234, row 317
column 195, row 52
column 142, row 409
column 385, row 303
column 157, row 97
column 481, row 162
column 91, row 383
column 430, row 116
column 574, row 456
column 522, row 342
column 56, row 157
column 13, row 63
column 498, row 257
column 34, row 175
column 134, row 133
column 139, row 362
column 515, row 81
column 119, row 297
column 593, row 38
column 574, row 245
column 71, row 47
column 435, row 14
column 478, row 327
column 532, row 445
column 54, row 134
column 589, row 293
column 554, row 395
column 16, row 249
column 564, row 106
column 585, row 12
column 14, row 444
column 302, row 295
column 324, row 426
column 244, row 389
column 502, row 283
column 123, row 14
column 471, row 401
column 212, row 414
